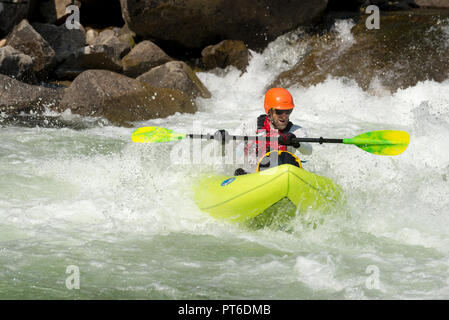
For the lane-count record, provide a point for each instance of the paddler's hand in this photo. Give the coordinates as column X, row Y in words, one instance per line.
column 221, row 135
column 287, row 139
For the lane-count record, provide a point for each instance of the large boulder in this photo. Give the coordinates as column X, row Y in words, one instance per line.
column 105, row 51
column 176, row 75
column 100, row 56
column 120, row 99
column 11, row 13
column 16, row 97
column 383, row 5
column 433, row 3
column 27, row 40
column 112, row 38
column 391, row 5
column 198, row 23
column 16, row 64
column 226, row 53
column 143, row 57
column 345, row 5
column 90, row 57
column 55, row 10
column 62, row 40
column 409, row 47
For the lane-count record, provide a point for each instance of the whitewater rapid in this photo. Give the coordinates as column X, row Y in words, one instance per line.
column 123, row 213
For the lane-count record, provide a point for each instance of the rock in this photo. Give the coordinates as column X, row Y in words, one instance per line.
column 17, row 65
column 27, row 40
column 110, row 38
column 90, row 57
column 55, row 10
column 120, row 99
column 70, row 69
column 105, row 52
column 91, row 36
column 49, row 121
column 345, row 5
column 389, row 5
column 125, row 35
column 113, row 36
column 176, row 75
column 197, row 24
column 433, row 3
column 101, row 57
column 226, row 53
column 409, row 47
column 11, row 14
column 106, row 36
column 143, row 57
column 62, row 40
column 16, row 97
column 359, row 5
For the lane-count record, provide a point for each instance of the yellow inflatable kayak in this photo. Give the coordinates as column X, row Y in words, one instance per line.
column 241, row 198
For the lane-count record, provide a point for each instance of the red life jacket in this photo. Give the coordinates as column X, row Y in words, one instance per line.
column 264, row 144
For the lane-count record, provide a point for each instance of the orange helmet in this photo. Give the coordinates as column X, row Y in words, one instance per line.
column 278, row 98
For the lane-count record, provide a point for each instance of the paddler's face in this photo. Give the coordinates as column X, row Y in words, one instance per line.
column 280, row 118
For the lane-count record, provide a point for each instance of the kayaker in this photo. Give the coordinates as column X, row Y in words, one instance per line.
column 274, row 123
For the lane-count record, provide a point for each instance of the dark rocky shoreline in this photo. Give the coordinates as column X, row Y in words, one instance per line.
column 136, row 60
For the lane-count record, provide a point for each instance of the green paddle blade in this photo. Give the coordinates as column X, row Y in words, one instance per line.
column 155, row 135
column 382, row 142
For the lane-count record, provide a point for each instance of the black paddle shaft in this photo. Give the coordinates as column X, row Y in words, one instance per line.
column 319, row 140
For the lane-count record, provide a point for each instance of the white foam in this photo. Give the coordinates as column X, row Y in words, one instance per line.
column 317, row 275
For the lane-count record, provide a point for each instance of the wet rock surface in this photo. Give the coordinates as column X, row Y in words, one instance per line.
column 433, row 3
column 196, row 24
column 405, row 50
column 120, row 99
column 176, row 75
column 62, row 40
column 16, row 64
column 17, row 97
column 226, row 53
column 27, row 40
column 11, row 13
column 54, row 11
column 143, row 57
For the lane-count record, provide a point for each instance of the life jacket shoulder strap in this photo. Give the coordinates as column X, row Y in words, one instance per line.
column 261, row 121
